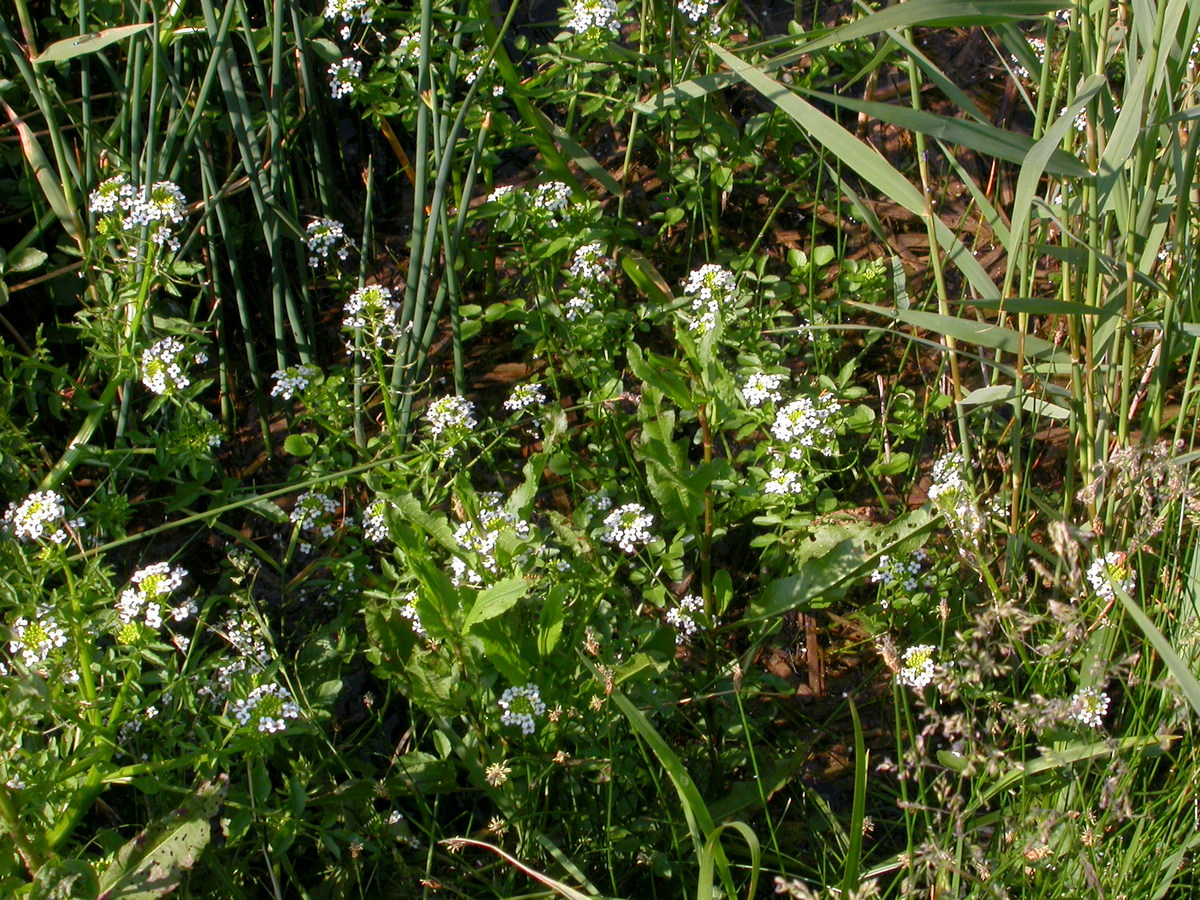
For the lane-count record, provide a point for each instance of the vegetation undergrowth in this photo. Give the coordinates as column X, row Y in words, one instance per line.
column 712, row 450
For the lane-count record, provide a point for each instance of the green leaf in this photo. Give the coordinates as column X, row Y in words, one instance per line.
column 550, row 624
column 645, row 276
column 65, row 879
column 969, row 331
column 978, row 136
column 69, row 48
column 153, row 863
column 25, row 260
column 862, row 158
column 637, row 665
column 300, row 445
column 497, row 599
column 659, row 372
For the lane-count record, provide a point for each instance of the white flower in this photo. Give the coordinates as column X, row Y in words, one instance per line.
column 373, row 310
column 409, row 611
column 451, row 416
column 522, row 705
column 268, row 706
column 682, row 617
column 375, row 527
column 580, row 305
column 1109, row 572
column 694, row 10
column 344, row 77
column 917, row 668
column 804, row 424
column 481, row 535
column 949, row 492
column 408, row 48
column 348, row 10
column 524, row 396
column 711, row 288
column 551, row 197
column 503, row 191
column 628, row 526
column 162, row 372
column 37, row 639
column 29, row 519
column 1089, row 706
column 783, row 482
column 312, row 512
column 761, row 387
column 109, row 195
column 293, row 380
column 591, row 263
column 593, row 16
column 323, row 235
column 899, row 571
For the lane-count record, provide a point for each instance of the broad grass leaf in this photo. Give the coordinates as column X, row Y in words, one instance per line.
column 985, row 139
column 980, row 334
column 863, row 159
column 69, row 48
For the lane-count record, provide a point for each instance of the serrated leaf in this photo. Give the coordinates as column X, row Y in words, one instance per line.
column 71, row 47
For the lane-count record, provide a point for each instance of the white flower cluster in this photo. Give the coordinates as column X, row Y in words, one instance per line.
column 375, row 527
column 1038, row 46
column 950, row 493
column 344, row 77
column 39, row 515
column 373, row 310
column 683, row 617
column 628, row 526
column 250, row 656
column 499, row 194
column 580, row 305
column 480, row 536
column 451, row 418
column 313, row 512
column 903, row 572
column 349, row 10
column 37, row 639
column 150, row 588
column 804, row 424
column 593, row 16
column 524, row 396
column 550, row 198
column 1089, row 707
column 1110, row 572
column 323, row 235
column 917, row 666
column 409, row 611
column 711, row 287
column 162, row 368
column 293, row 380
column 408, row 48
column 268, row 706
column 522, row 705
column 694, row 10
column 159, row 207
column 761, row 388
column 592, row 264
column 783, row 482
